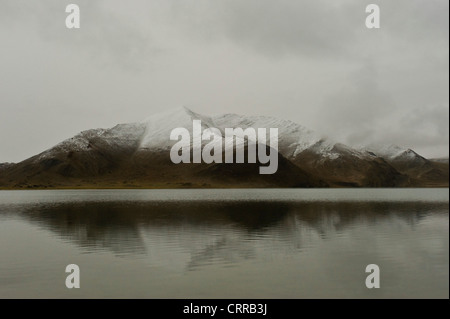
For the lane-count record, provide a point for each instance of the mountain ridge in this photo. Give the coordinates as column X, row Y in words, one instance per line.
column 136, row 155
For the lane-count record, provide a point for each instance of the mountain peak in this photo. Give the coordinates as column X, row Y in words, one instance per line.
column 139, row 152
column 393, row 152
column 159, row 125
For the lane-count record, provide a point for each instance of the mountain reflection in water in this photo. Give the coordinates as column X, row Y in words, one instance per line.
column 220, row 232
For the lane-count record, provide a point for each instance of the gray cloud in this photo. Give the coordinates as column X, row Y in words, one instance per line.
column 106, row 35
column 424, row 128
column 357, row 105
column 312, row 27
column 311, row 61
column 390, row 72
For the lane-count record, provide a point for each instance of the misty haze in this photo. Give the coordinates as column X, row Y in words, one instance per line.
column 92, row 177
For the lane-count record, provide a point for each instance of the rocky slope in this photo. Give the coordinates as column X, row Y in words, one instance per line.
column 136, row 155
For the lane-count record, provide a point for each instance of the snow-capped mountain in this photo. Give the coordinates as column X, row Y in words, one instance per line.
column 159, row 126
column 393, row 152
column 421, row 171
column 293, row 138
column 137, row 155
column 123, row 137
column 153, row 134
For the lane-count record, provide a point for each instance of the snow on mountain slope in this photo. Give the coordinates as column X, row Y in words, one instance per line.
column 394, row 153
column 141, row 151
column 293, row 138
column 150, row 134
column 159, row 126
column 153, row 133
column 119, row 137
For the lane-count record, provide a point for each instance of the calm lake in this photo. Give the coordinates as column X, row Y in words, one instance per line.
column 241, row 243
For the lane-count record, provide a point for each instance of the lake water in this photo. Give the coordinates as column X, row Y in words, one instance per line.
column 246, row 243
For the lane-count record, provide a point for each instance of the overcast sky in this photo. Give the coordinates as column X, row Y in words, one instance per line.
column 313, row 62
